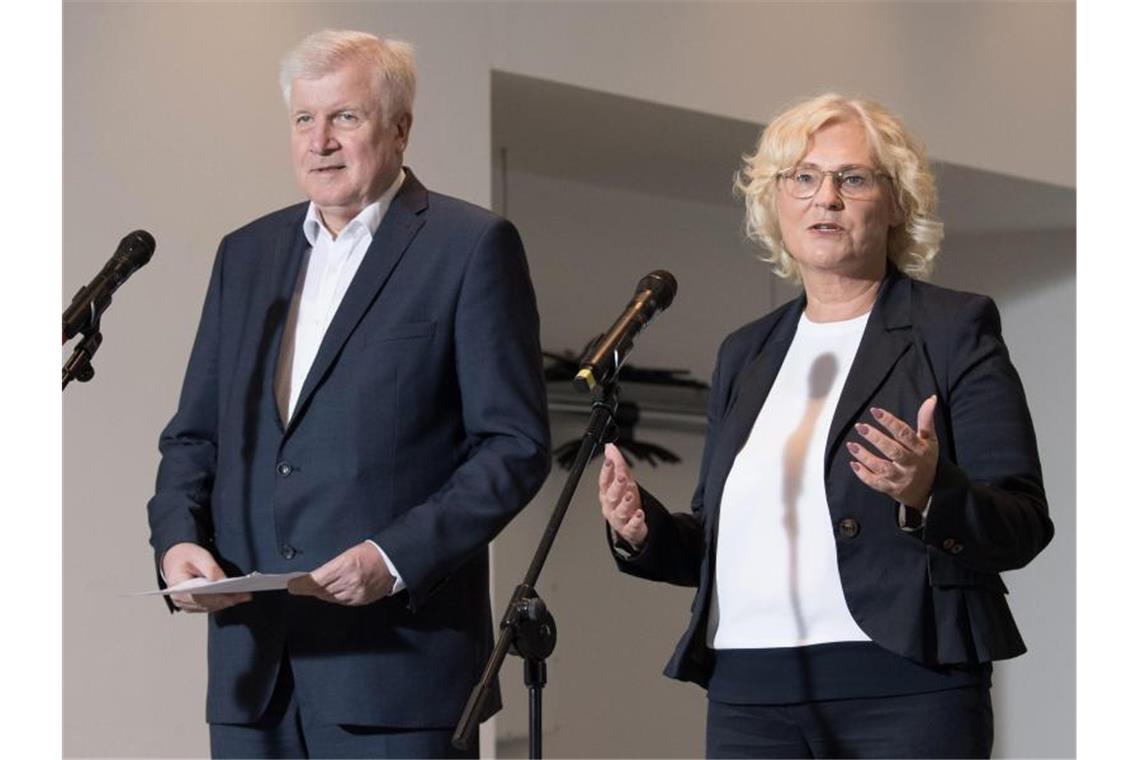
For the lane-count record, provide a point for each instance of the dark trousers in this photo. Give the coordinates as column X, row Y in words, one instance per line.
column 949, row 723
column 284, row 731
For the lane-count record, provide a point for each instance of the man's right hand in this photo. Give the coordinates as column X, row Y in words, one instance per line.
column 620, row 499
column 185, row 561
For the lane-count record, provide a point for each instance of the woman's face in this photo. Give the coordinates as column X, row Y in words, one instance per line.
column 832, row 233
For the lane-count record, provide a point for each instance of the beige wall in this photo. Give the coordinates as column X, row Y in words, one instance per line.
column 173, row 123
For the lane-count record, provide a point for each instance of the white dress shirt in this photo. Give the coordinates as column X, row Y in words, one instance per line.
column 326, row 272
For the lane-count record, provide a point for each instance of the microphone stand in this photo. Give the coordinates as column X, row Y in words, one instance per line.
column 78, row 367
column 527, row 628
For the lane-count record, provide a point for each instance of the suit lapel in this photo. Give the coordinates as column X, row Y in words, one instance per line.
column 885, row 339
column 754, row 384
column 288, row 252
column 401, row 223
column 757, row 379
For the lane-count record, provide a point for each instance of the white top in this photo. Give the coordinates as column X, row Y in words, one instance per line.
column 326, row 272
column 777, row 577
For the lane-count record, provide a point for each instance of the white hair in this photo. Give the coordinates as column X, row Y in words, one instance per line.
column 324, row 52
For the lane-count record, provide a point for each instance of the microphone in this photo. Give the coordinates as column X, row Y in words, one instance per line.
column 90, row 302
column 654, row 293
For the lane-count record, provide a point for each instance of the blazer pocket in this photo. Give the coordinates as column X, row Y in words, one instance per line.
column 945, row 571
column 402, row 331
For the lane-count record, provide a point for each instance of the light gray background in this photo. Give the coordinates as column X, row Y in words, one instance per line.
column 620, row 125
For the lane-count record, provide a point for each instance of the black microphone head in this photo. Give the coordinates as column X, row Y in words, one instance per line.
column 663, row 286
column 135, row 249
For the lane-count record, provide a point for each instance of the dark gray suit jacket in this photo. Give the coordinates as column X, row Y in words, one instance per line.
column 934, row 596
column 422, row 425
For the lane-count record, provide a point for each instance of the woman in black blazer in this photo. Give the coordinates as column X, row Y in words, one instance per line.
column 870, row 469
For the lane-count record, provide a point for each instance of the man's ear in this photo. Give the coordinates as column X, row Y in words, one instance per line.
column 403, row 128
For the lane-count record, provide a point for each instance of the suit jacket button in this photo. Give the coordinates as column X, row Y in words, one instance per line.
column 949, row 544
column 848, row 527
column 284, row 469
column 956, row 549
column 288, row 552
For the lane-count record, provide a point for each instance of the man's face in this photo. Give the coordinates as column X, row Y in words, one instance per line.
column 343, row 154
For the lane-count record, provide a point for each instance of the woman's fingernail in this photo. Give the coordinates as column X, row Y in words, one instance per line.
column 853, row 448
column 862, row 427
column 876, row 412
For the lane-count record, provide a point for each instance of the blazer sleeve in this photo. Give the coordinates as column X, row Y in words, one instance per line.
column 675, row 542
column 180, row 509
column 988, row 507
column 498, row 367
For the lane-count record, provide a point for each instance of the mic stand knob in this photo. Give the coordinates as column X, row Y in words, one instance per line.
column 79, row 367
column 534, row 637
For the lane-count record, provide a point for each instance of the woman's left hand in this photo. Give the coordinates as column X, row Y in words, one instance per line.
column 907, row 472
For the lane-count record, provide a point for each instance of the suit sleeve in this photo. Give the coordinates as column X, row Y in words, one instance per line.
column 180, row 509
column 675, row 542
column 498, row 365
column 988, row 507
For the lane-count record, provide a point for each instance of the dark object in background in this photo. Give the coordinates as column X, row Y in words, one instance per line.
column 653, row 397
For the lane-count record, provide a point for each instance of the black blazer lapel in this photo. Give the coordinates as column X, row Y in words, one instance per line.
column 885, row 339
column 401, row 223
column 753, row 385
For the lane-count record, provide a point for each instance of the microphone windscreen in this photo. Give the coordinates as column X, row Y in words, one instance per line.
column 662, row 284
column 136, row 248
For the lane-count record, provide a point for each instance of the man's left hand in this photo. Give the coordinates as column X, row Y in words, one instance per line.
column 911, row 456
column 355, row 577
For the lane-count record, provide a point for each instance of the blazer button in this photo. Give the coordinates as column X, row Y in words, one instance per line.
column 284, row 469
column 848, row 527
column 288, row 552
column 949, row 544
column 956, row 549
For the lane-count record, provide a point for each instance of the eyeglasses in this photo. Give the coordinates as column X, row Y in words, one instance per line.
column 853, row 182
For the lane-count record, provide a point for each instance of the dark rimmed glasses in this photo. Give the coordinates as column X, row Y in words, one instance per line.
column 852, row 182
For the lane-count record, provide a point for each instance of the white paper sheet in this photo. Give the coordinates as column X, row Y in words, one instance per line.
column 248, row 583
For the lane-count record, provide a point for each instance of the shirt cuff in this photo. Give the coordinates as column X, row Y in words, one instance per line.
column 399, row 585
column 162, row 574
column 906, row 519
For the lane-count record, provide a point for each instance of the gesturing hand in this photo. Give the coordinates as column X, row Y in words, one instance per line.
column 354, row 577
column 184, row 561
column 620, row 499
column 907, row 472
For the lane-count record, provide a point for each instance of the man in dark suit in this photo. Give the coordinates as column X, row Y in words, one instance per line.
column 364, row 400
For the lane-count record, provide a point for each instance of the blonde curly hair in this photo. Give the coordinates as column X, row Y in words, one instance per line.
column 912, row 245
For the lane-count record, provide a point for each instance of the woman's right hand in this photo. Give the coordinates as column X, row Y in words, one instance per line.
column 620, row 499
